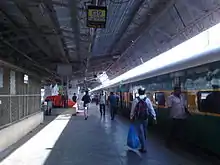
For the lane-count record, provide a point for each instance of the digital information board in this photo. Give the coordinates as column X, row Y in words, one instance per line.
column 96, row 16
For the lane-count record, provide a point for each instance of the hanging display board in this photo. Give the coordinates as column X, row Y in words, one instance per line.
column 64, row 69
column 96, row 16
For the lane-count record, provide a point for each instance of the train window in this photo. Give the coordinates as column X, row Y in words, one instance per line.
column 209, row 101
column 160, row 98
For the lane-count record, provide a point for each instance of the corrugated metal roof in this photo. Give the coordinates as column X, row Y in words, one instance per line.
column 54, row 31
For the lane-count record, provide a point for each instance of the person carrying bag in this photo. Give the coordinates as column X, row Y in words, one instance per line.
column 141, row 109
column 133, row 139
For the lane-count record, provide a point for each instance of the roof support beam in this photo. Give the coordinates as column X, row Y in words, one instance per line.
column 61, row 4
column 19, row 68
column 35, row 63
column 163, row 33
column 55, row 3
column 157, row 13
column 28, row 16
column 125, row 27
column 24, row 29
column 75, row 25
column 26, row 37
column 44, row 34
column 70, row 31
column 17, row 28
column 52, row 14
column 33, row 51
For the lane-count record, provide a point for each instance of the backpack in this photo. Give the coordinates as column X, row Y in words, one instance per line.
column 141, row 110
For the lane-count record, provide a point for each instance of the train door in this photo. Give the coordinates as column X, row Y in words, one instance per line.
column 120, row 100
column 192, row 101
column 160, row 99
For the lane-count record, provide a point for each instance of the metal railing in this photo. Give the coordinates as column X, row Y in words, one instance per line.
column 16, row 107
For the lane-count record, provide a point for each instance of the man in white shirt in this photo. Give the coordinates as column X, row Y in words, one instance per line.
column 178, row 113
column 102, row 104
column 141, row 123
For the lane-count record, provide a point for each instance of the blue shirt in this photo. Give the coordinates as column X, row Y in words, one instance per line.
column 113, row 100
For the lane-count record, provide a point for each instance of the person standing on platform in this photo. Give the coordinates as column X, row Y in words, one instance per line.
column 140, row 111
column 63, row 102
column 112, row 99
column 74, row 98
column 178, row 114
column 86, row 100
column 102, row 103
column 118, row 99
column 97, row 99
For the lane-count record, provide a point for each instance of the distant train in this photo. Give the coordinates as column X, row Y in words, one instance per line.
column 200, row 80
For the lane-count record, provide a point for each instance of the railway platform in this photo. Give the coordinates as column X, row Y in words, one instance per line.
column 71, row 140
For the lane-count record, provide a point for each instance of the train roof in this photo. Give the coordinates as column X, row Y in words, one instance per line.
column 198, row 60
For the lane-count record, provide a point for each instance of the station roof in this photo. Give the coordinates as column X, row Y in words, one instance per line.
column 39, row 34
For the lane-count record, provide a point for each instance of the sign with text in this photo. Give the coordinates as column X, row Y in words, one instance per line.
column 96, row 16
column 64, row 69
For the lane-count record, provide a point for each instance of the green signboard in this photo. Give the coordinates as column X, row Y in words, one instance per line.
column 96, row 16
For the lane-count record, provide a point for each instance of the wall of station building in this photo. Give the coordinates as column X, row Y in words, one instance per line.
column 19, row 98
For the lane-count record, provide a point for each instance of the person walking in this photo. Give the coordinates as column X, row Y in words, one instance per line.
column 141, row 110
column 102, row 103
column 74, row 98
column 86, row 100
column 112, row 100
column 178, row 114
